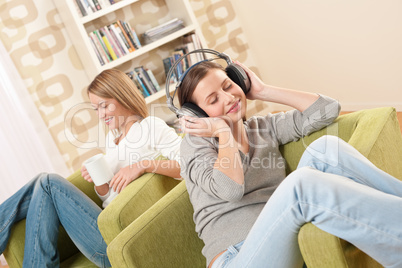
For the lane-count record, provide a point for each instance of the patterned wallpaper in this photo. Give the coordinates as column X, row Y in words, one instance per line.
column 36, row 39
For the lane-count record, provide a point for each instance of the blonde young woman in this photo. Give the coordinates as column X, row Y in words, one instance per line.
column 246, row 210
column 135, row 139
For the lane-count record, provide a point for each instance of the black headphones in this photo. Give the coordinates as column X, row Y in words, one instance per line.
column 233, row 71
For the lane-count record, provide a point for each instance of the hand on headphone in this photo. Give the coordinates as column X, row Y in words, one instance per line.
column 257, row 86
column 204, row 126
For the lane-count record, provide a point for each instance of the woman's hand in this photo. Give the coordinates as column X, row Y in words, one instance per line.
column 204, row 126
column 126, row 175
column 101, row 189
column 85, row 174
column 300, row 100
column 258, row 88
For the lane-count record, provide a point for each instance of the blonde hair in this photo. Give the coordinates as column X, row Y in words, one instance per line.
column 115, row 84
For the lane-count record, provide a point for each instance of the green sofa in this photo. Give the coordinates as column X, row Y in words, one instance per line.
column 164, row 235
column 125, row 208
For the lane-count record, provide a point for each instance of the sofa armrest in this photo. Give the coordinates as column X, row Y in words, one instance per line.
column 163, row 236
column 378, row 137
column 134, row 200
column 376, row 134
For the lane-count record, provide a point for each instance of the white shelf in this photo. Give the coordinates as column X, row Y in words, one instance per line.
column 103, row 12
column 161, row 93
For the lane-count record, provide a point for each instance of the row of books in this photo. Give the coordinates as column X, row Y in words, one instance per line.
column 90, row 6
column 190, row 43
column 114, row 41
column 145, row 81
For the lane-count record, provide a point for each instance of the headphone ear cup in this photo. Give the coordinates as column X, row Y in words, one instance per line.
column 191, row 109
column 239, row 76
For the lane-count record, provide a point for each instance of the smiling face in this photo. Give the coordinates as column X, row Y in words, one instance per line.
column 218, row 95
column 111, row 112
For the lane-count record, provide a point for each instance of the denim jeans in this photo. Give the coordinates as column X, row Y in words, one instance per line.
column 338, row 190
column 47, row 201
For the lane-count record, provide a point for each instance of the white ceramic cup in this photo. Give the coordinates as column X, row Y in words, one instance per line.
column 98, row 169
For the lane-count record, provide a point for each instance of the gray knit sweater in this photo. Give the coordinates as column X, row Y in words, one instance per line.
column 225, row 211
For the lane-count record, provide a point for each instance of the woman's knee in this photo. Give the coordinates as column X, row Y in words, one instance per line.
column 46, row 179
column 306, row 181
column 302, row 177
column 324, row 149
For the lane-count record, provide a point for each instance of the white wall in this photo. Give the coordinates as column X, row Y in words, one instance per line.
column 349, row 50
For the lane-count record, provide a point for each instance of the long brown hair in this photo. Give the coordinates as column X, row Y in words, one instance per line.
column 192, row 78
column 115, row 84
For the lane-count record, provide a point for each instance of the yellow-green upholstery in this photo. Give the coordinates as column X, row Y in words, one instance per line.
column 136, row 198
column 164, row 235
column 143, row 235
column 377, row 135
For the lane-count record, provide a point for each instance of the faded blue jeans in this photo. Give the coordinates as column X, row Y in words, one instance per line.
column 338, row 190
column 47, row 201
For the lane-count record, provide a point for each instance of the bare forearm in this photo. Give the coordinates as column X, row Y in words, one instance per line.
column 170, row 168
column 297, row 99
column 229, row 160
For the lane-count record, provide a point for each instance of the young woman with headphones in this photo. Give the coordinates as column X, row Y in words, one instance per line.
column 246, row 210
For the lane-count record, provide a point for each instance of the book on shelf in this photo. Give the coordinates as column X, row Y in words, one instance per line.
column 98, row 48
column 81, row 8
column 92, row 5
column 104, row 49
column 136, row 80
column 114, row 41
column 97, row 5
column 192, row 42
column 87, row 7
column 142, row 74
column 118, row 38
column 123, row 37
column 131, row 34
column 180, row 67
column 167, row 64
column 122, row 29
column 153, row 79
column 108, row 45
column 144, row 80
column 98, row 55
column 162, row 30
column 188, row 61
column 118, row 47
column 140, row 81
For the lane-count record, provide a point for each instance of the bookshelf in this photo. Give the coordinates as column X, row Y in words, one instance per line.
column 79, row 27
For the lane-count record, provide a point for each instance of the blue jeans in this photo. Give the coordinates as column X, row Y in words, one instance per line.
column 338, row 190
column 47, row 201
